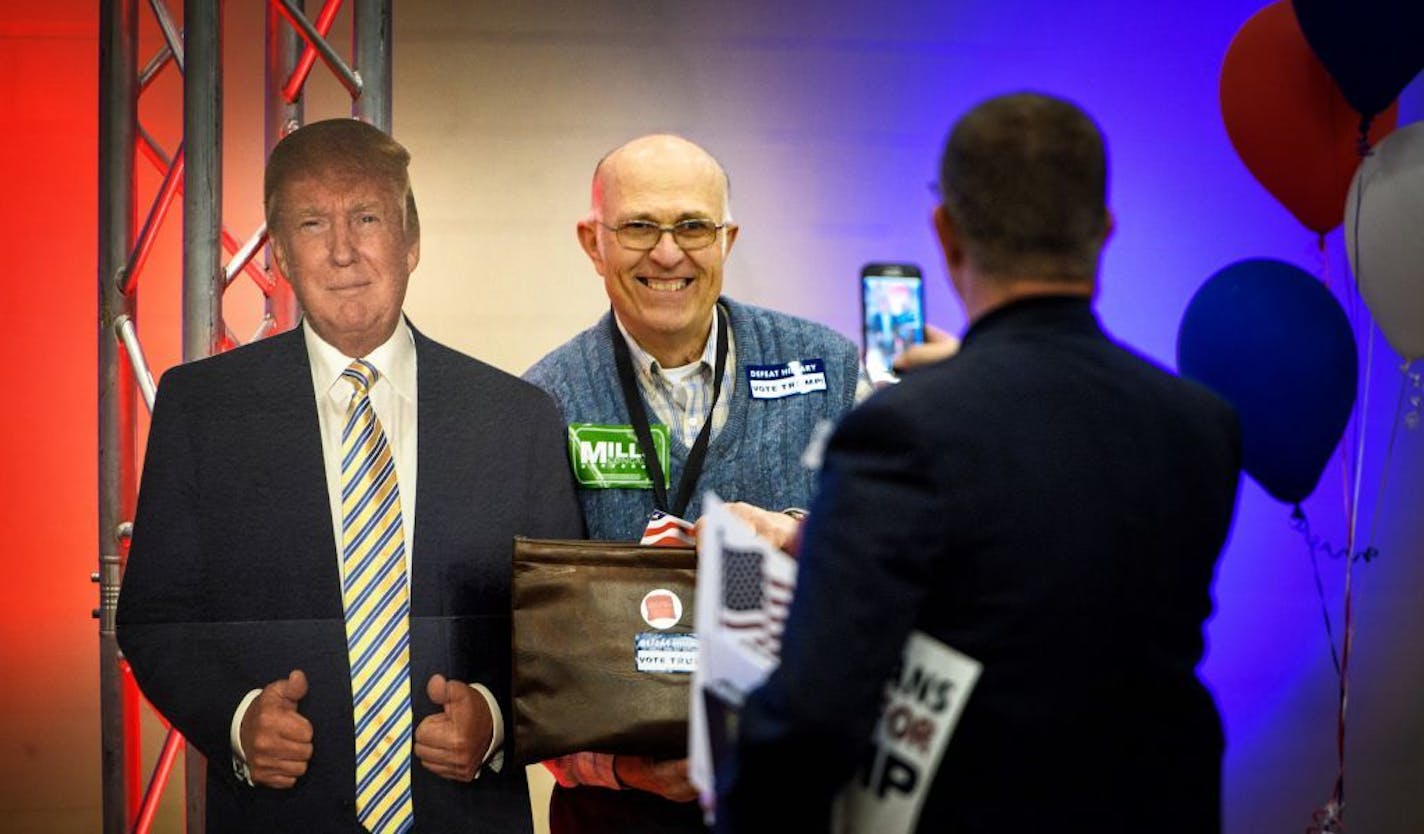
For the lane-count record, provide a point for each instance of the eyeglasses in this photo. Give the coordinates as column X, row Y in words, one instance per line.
column 643, row 235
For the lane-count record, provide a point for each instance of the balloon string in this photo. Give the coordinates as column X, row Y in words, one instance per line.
column 1357, row 478
column 1351, row 435
column 1359, row 320
column 1338, row 795
column 1355, row 261
column 1328, row 278
column 1327, row 275
column 1317, row 544
column 1360, row 425
column 1327, row 820
column 1331, row 818
column 1405, row 377
column 1314, row 544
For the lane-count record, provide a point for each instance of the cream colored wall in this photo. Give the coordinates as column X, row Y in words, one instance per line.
column 507, row 107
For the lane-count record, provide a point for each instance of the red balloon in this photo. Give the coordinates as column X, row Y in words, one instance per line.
column 1288, row 120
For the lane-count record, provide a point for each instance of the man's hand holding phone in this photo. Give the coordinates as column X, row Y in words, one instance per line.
column 937, row 346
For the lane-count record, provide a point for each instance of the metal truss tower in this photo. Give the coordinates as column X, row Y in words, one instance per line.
column 293, row 45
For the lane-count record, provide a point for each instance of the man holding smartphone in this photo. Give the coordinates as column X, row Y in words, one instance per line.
column 712, row 394
column 1048, row 503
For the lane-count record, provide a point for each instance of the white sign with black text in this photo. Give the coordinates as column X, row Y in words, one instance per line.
column 744, row 589
column 923, row 702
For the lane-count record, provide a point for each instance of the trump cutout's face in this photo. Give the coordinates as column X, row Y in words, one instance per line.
column 344, row 247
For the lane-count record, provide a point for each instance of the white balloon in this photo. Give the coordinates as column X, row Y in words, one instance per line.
column 1384, row 237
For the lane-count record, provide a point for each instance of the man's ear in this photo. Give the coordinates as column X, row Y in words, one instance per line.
column 412, row 256
column 587, row 231
column 731, row 233
column 1109, row 224
column 279, row 256
column 954, row 258
column 948, row 237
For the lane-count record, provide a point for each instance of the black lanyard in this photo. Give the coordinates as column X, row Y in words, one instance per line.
column 639, row 417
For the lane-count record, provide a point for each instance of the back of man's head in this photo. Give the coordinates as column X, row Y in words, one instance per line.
column 1024, row 181
column 339, row 148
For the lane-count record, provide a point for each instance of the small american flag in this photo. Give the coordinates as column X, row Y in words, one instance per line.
column 741, row 580
column 777, row 605
column 666, row 530
column 754, row 603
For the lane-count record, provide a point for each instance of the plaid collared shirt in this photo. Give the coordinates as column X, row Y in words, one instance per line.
column 680, row 398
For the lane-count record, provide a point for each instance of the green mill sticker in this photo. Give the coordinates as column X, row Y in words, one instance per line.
column 607, row 456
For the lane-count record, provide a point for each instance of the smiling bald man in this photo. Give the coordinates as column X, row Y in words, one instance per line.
column 733, row 394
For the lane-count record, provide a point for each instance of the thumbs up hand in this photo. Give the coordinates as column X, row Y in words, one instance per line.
column 276, row 739
column 452, row 743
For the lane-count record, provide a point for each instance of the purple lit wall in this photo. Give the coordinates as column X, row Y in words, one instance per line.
column 829, row 117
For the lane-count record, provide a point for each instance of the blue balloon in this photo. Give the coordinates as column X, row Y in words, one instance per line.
column 1372, row 48
column 1273, row 341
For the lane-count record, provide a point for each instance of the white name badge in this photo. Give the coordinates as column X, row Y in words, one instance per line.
column 665, row 653
column 772, row 382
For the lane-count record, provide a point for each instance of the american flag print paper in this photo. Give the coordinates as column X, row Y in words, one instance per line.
column 757, row 586
column 667, row 530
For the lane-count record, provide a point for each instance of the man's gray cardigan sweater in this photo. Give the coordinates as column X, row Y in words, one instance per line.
column 755, row 457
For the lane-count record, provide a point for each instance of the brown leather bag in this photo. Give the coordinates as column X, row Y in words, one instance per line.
column 602, row 633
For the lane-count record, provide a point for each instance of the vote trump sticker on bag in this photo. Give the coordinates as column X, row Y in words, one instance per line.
column 665, row 653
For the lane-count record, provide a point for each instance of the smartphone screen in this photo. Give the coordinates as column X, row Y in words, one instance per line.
column 892, row 306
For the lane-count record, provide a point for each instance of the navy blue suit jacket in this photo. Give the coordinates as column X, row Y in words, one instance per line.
column 1052, row 505
column 232, row 578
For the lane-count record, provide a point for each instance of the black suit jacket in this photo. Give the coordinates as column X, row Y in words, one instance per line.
column 232, row 578
column 1052, row 505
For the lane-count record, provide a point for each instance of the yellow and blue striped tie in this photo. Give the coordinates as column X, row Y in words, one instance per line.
column 377, row 603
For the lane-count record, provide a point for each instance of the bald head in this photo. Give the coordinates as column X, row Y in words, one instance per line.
column 659, row 154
